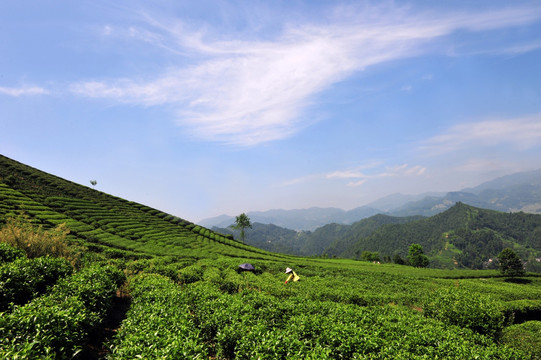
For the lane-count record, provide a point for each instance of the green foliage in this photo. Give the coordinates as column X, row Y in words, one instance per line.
column 242, row 222
column 397, row 259
column 510, row 263
column 525, row 337
column 57, row 324
column 190, row 274
column 370, row 256
column 24, row 279
column 102, row 221
column 157, row 325
column 416, row 257
column 456, row 306
column 9, row 253
column 269, row 325
column 477, row 235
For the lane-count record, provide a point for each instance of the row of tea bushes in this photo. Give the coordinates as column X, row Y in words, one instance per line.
column 157, row 326
column 95, row 218
column 200, row 320
column 55, row 325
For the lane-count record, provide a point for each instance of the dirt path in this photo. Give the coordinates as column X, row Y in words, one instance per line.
column 95, row 349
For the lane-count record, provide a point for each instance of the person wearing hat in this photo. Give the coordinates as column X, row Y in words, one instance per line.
column 292, row 275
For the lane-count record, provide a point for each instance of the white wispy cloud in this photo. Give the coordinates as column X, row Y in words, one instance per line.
column 521, row 133
column 23, row 91
column 362, row 174
column 246, row 92
column 403, row 170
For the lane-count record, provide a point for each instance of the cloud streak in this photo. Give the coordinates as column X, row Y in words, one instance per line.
column 521, row 133
column 23, row 91
column 395, row 171
column 247, row 92
column 358, row 176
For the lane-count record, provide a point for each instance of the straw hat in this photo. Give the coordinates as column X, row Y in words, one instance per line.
column 288, row 270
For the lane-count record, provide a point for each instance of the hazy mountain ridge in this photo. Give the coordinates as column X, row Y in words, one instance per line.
column 297, row 219
column 462, row 236
column 510, row 193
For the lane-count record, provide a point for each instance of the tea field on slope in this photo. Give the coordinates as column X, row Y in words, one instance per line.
column 188, row 298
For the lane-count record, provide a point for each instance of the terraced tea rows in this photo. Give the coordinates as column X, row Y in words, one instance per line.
column 102, row 221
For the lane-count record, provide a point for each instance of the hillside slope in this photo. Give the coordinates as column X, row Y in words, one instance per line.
column 106, row 223
column 329, row 240
column 462, row 236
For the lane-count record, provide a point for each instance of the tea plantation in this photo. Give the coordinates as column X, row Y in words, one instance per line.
column 73, row 259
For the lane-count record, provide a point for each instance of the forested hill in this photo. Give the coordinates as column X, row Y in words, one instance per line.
column 105, row 223
column 331, row 240
column 462, row 236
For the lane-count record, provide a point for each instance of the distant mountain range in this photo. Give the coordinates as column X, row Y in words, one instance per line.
column 303, row 219
column 511, row 193
column 462, row 236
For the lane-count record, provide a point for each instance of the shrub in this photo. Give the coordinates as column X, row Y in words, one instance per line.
column 370, row 256
column 55, row 325
column 525, row 337
column 190, row 274
column 397, row 259
column 8, row 253
column 455, row 306
column 416, row 256
column 95, row 285
column 24, row 279
column 45, row 326
column 21, row 233
column 158, row 325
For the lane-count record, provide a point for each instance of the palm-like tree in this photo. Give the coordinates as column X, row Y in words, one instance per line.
column 242, row 222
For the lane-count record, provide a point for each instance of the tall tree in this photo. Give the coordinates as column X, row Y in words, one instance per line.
column 416, row 256
column 510, row 263
column 242, row 222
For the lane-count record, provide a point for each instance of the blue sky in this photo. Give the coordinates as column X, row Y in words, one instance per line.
column 221, row 107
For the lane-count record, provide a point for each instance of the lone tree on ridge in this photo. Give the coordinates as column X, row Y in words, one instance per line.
column 242, row 222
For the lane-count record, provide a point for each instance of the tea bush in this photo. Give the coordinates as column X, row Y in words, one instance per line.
column 256, row 320
column 9, row 253
column 526, row 336
column 24, row 279
column 157, row 326
column 56, row 325
column 455, row 306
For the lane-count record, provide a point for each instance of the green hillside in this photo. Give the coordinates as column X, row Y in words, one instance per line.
column 462, row 236
column 329, row 240
column 107, row 223
column 149, row 285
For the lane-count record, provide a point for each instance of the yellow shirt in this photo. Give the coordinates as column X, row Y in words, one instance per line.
column 294, row 276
